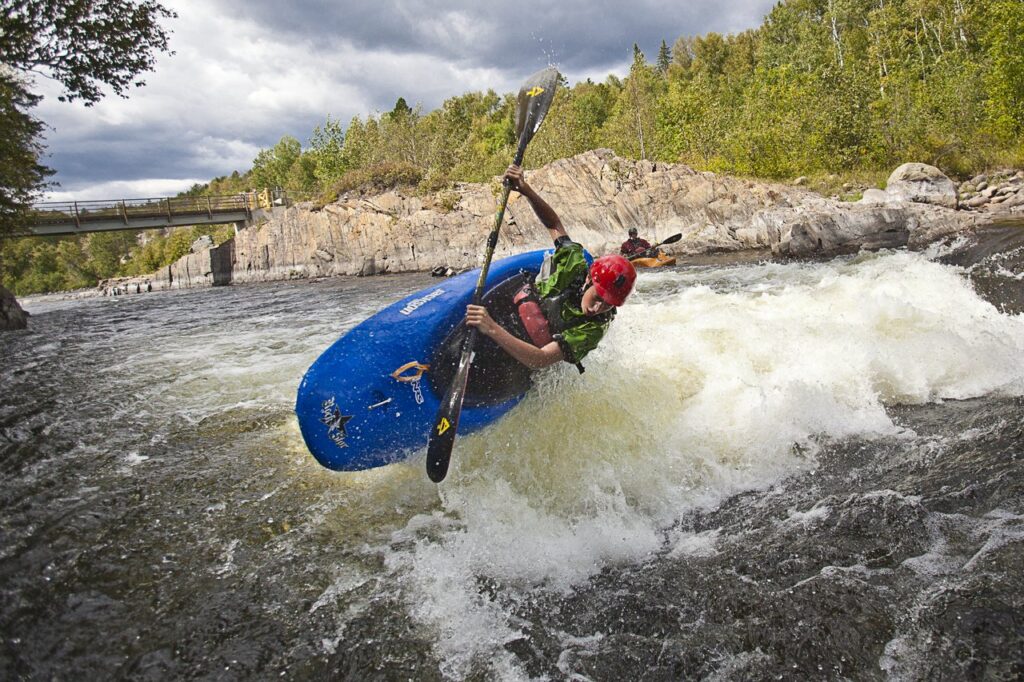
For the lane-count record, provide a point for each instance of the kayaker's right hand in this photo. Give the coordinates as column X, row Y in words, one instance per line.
column 477, row 316
column 515, row 178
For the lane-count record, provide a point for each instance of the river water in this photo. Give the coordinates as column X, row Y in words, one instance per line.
column 769, row 471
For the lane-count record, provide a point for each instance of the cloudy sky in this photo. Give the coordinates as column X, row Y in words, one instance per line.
column 247, row 72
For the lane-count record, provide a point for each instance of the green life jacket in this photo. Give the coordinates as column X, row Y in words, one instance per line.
column 544, row 318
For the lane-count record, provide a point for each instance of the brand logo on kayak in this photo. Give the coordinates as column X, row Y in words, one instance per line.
column 534, row 91
column 443, row 426
column 412, row 305
column 412, row 378
column 335, row 421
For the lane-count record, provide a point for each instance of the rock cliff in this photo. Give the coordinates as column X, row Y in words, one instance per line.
column 598, row 195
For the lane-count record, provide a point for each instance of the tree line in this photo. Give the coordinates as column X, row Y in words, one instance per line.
column 847, row 88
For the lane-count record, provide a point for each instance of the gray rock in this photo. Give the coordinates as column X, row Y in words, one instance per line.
column 1014, row 200
column 977, row 201
column 597, row 194
column 802, row 180
column 11, row 315
column 921, row 183
column 874, row 196
column 981, row 185
column 369, row 267
column 978, row 179
column 201, row 244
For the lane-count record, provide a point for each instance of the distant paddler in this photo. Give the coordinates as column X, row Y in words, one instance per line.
column 642, row 255
column 634, row 246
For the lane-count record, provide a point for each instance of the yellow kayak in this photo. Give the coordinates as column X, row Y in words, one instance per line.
column 660, row 261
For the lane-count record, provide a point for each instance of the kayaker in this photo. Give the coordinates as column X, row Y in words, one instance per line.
column 634, row 246
column 566, row 313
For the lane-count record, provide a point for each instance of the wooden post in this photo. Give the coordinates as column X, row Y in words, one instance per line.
column 168, row 203
column 78, row 221
column 209, row 207
column 124, row 212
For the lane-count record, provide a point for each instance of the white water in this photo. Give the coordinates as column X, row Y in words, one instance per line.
column 712, row 381
column 709, row 383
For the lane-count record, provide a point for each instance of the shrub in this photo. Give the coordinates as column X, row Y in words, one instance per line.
column 378, row 178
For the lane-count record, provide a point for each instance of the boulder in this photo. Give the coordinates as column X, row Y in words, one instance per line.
column 369, row 267
column 11, row 315
column 874, row 196
column 921, row 183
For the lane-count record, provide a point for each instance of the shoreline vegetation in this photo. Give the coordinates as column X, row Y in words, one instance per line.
column 828, row 96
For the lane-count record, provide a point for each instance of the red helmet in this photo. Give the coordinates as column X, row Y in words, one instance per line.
column 613, row 278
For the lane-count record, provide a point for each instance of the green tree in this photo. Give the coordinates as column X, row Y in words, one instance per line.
column 271, row 167
column 84, row 46
column 325, row 149
column 664, row 58
column 692, row 123
column 108, row 251
column 630, row 130
column 1004, row 81
column 22, row 177
column 574, row 123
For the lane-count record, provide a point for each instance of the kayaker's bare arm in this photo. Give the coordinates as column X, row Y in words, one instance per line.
column 526, row 353
column 547, row 215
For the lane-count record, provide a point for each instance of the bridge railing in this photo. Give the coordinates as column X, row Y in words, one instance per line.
column 126, row 209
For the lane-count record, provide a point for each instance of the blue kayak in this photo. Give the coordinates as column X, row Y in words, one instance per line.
column 372, row 397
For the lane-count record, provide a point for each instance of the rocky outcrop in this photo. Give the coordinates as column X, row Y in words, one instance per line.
column 598, row 195
column 998, row 192
column 11, row 315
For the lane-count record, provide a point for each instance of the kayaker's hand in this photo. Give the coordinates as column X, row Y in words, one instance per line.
column 477, row 316
column 515, row 178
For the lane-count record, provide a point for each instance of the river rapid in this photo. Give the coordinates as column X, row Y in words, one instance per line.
column 768, row 471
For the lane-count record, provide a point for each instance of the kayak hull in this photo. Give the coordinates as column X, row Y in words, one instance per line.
column 370, row 400
column 661, row 260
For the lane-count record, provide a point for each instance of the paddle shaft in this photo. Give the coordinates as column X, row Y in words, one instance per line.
column 442, row 440
column 492, row 243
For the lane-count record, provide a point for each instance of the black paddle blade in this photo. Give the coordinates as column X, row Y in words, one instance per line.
column 533, row 103
column 442, row 436
column 673, row 239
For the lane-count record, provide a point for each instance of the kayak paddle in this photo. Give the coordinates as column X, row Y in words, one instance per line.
column 533, row 102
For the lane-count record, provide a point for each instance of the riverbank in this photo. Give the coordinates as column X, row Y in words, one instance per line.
column 599, row 196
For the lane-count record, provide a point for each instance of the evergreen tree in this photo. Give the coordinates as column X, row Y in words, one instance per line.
column 664, row 58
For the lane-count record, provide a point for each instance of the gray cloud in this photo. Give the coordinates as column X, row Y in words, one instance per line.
column 247, row 72
column 575, row 34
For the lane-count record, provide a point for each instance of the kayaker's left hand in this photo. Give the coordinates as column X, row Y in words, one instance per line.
column 477, row 316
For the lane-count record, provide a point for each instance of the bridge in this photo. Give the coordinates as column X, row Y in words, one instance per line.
column 79, row 217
